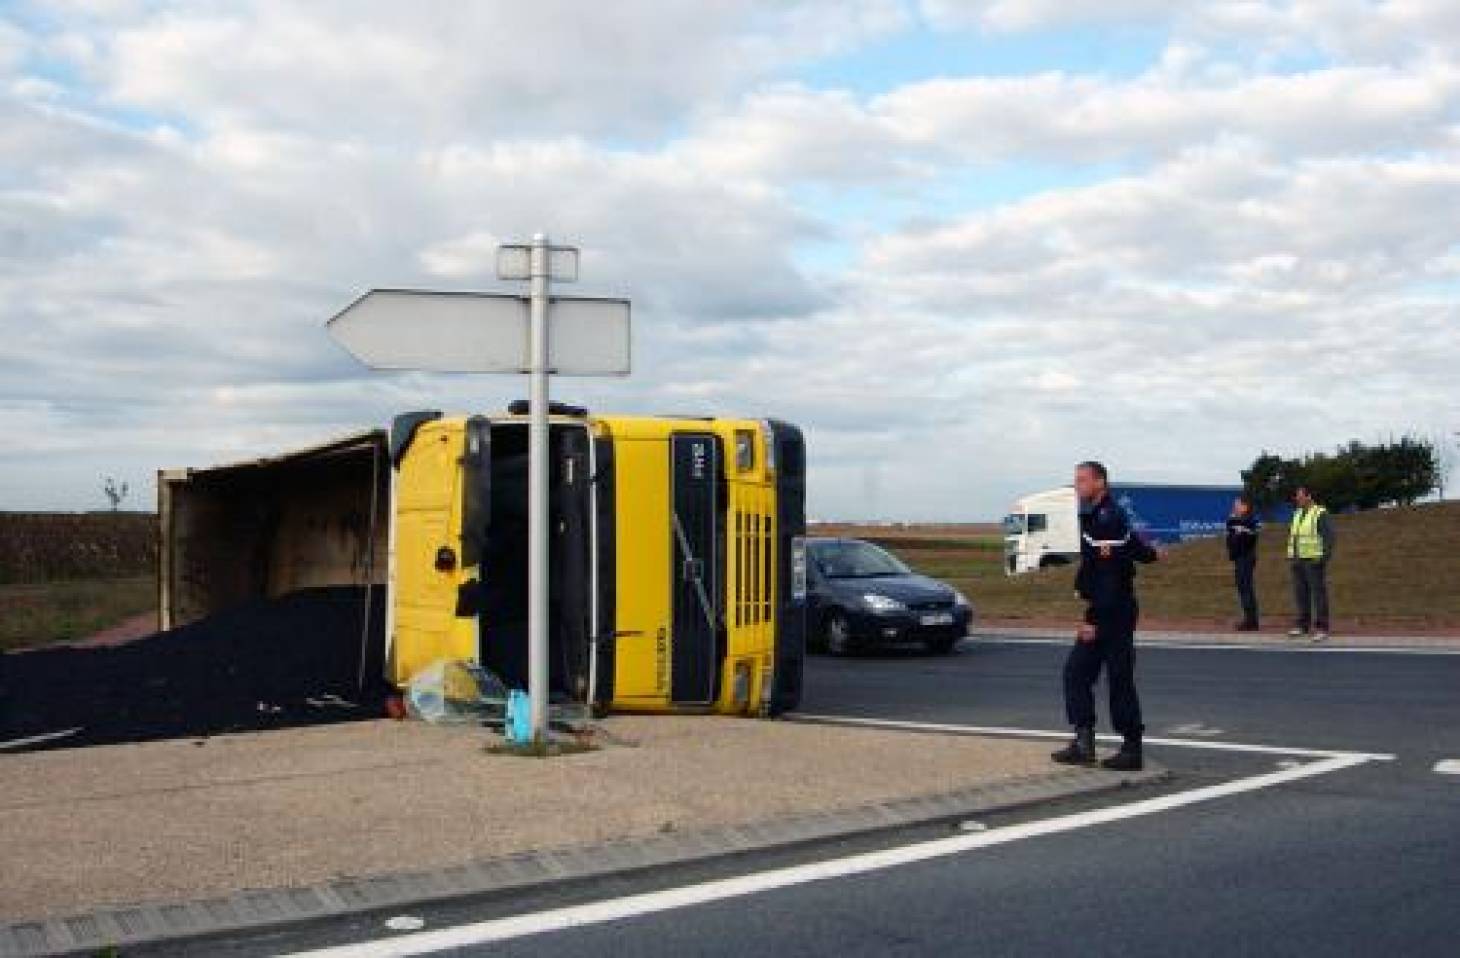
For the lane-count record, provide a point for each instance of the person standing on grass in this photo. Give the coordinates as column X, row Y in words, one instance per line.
column 1109, row 551
column 1242, row 527
column 1310, row 546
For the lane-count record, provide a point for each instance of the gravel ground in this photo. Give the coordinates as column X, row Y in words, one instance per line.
column 163, row 820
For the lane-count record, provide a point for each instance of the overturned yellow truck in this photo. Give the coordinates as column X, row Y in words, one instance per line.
column 677, row 579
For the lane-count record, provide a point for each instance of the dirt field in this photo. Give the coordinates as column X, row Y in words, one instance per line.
column 48, row 546
column 65, row 576
column 1395, row 571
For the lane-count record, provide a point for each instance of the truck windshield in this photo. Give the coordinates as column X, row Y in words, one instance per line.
column 1014, row 525
column 854, row 559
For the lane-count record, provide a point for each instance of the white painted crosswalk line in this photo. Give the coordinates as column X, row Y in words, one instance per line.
column 1449, row 766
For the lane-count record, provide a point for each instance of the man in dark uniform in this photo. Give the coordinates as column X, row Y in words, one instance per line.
column 1109, row 551
column 1242, row 528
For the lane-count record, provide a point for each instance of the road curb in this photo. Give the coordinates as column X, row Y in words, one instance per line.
column 1266, row 641
column 258, row 909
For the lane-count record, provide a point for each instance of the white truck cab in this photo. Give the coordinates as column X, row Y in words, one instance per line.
column 1042, row 529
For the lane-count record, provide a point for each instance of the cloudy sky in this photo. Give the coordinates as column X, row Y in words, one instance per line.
column 962, row 242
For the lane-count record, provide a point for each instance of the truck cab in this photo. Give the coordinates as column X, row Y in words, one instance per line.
column 1041, row 530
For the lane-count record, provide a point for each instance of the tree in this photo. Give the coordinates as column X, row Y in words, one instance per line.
column 1353, row 477
column 115, row 494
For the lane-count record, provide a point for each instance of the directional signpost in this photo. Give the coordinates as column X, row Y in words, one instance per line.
column 538, row 334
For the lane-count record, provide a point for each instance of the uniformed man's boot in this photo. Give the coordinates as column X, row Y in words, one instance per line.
column 1080, row 751
column 1128, row 759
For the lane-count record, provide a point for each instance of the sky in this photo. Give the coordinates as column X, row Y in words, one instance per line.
column 962, row 243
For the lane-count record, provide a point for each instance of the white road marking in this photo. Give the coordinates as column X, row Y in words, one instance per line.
column 649, row 903
column 37, row 739
column 1449, row 766
column 405, row 923
column 1196, row 728
column 1223, row 646
column 1048, row 733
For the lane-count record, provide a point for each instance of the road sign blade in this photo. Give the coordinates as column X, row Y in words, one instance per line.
column 588, row 336
column 514, row 261
column 434, row 331
column 563, row 264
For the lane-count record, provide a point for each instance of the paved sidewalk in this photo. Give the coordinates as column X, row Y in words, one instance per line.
column 181, row 819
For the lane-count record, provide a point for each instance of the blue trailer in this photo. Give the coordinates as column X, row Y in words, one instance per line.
column 1043, row 530
column 1171, row 514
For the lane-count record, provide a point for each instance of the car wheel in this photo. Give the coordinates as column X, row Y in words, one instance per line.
column 943, row 645
column 836, row 633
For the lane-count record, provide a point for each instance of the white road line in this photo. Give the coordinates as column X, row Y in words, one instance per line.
column 1222, row 646
column 1448, row 766
column 632, row 906
column 37, row 739
column 1049, row 733
column 1196, row 728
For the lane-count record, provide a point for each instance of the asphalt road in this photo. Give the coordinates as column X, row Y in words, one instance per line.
column 1360, row 861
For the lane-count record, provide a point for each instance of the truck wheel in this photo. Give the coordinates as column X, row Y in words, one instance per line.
column 836, row 633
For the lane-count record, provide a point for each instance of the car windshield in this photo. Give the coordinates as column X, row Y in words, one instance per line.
column 854, row 559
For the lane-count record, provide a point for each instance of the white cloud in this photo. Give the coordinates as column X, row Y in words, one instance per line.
column 1370, row 30
column 919, row 129
column 1273, row 264
column 463, row 71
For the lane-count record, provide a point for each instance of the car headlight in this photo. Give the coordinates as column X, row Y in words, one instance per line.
column 882, row 603
column 960, row 600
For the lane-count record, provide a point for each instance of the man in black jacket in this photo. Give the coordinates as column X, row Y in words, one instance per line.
column 1242, row 528
column 1109, row 551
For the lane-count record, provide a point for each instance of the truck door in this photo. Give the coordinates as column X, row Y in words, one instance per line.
column 695, row 570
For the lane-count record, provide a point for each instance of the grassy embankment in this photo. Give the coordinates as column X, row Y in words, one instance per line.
column 65, row 576
column 1396, row 570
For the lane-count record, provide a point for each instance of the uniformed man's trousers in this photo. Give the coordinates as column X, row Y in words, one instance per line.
column 1245, row 568
column 1113, row 649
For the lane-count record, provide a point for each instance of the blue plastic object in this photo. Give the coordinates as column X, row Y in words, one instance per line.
column 518, row 727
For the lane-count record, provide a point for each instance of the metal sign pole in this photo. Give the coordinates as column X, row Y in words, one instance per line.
column 537, row 491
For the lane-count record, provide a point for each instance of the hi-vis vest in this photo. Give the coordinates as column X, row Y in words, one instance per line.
column 1304, row 542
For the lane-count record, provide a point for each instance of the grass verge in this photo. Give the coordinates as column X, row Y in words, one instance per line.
column 1395, row 571
column 43, row 613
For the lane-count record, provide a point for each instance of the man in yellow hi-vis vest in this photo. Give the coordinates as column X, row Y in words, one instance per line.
column 1310, row 546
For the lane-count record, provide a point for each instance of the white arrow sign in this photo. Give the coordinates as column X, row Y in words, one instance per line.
column 482, row 332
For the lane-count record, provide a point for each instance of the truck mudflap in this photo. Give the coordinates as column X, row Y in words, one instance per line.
column 789, row 452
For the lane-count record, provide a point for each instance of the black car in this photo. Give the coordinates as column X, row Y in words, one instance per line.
column 862, row 596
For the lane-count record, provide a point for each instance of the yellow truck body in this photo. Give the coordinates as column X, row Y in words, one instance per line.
column 677, row 576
